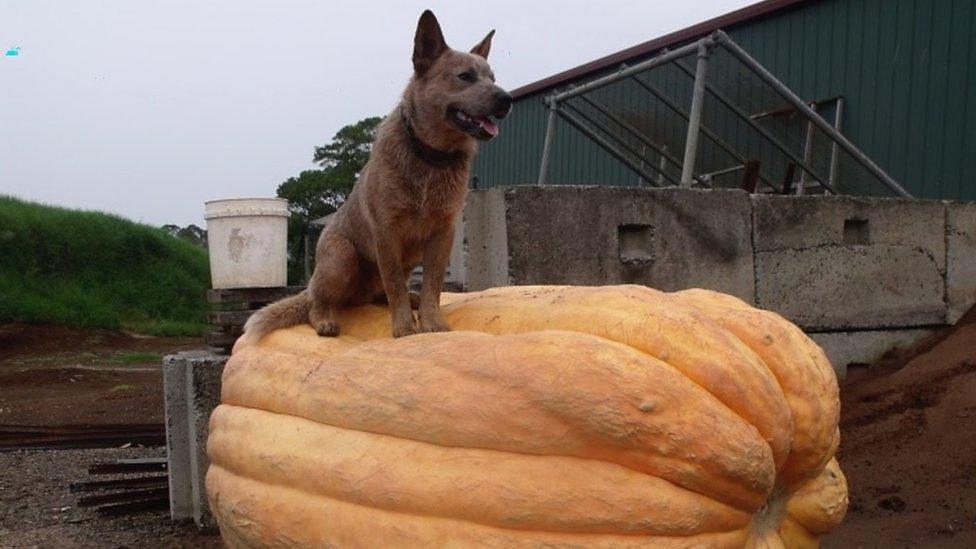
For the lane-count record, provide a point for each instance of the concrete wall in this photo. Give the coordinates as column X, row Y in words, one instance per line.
column 605, row 235
column 831, row 263
column 960, row 251
column 191, row 386
column 864, row 274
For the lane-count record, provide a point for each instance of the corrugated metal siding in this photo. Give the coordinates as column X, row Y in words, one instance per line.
column 906, row 70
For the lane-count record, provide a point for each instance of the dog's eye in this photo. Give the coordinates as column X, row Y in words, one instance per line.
column 466, row 76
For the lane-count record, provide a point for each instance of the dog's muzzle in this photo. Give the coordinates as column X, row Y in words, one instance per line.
column 503, row 104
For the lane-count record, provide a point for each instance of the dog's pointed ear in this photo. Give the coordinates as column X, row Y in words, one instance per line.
column 428, row 44
column 483, row 47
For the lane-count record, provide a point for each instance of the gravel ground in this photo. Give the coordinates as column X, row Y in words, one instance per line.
column 37, row 508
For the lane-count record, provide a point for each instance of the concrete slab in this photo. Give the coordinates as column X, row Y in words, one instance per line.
column 800, row 222
column 203, row 386
column 177, row 438
column 485, row 240
column 845, row 349
column 835, row 288
column 960, row 258
column 669, row 239
column 835, row 263
column 188, row 411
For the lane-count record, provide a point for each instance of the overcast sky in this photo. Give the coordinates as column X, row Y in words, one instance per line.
column 148, row 109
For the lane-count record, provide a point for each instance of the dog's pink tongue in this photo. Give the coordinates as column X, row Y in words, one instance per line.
column 489, row 126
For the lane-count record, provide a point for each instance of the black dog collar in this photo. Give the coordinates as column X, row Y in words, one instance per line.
column 435, row 157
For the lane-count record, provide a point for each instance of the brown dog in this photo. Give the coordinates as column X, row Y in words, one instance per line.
column 402, row 210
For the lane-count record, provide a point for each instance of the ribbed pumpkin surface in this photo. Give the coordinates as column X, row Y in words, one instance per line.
column 552, row 416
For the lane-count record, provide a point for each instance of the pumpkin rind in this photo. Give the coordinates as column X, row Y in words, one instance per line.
column 556, row 416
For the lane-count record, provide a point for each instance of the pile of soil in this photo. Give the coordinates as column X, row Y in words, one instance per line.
column 908, row 445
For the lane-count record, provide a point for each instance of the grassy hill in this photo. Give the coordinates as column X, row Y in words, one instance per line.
column 93, row 269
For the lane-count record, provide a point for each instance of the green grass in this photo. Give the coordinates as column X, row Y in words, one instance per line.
column 92, row 269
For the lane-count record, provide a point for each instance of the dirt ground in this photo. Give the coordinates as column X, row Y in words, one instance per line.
column 908, row 446
column 908, row 439
column 51, row 375
column 38, row 510
column 54, row 375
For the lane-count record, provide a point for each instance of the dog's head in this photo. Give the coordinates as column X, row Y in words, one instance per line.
column 455, row 90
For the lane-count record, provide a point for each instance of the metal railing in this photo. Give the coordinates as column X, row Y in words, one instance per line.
column 560, row 108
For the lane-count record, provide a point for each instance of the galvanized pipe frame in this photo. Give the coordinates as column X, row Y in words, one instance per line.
column 665, row 155
column 609, row 132
column 552, row 103
column 838, row 120
column 730, row 46
column 603, row 143
column 701, row 48
column 547, row 144
column 742, row 115
column 695, row 115
column 663, row 58
column 612, row 138
column 719, row 142
column 801, row 187
column 631, row 130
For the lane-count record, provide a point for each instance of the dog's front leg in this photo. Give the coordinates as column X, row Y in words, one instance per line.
column 389, row 259
column 437, row 253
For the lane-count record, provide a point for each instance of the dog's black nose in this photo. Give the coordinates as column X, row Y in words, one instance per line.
column 503, row 103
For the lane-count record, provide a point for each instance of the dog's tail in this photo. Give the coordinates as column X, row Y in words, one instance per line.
column 287, row 312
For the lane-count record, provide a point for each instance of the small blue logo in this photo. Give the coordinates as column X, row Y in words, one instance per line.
column 13, row 52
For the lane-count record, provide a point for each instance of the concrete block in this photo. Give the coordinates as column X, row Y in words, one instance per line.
column 960, row 258
column 798, row 222
column 188, row 411
column 177, row 438
column 836, row 263
column 669, row 239
column 485, row 240
column 863, row 347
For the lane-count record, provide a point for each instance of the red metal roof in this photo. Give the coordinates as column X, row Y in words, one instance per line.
column 695, row 31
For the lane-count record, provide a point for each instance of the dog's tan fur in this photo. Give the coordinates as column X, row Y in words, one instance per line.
column 402, row 210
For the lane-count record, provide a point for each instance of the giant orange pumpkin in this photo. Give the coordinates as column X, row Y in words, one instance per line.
column 552, row 416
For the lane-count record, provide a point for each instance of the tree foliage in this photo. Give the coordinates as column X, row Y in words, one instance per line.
column 316, row 193
column 313, row 194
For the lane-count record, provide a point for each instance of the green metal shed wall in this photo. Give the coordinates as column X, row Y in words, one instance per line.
column 906, row 70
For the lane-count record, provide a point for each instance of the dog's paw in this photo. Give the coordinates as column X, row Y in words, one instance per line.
column 434, row 324
column 404, row 330
column 327, row 328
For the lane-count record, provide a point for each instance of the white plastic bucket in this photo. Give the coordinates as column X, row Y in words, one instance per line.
column 248, row 242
